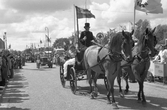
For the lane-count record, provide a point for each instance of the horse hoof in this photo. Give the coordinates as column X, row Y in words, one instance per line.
column 115, row 106
column 109, row 102
column 121, row 95
column 95, row 94
column 139, row 101
column 144, row 103
column 92, row 96
column 126, row 91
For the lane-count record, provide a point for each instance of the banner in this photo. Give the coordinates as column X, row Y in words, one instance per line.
column 40, row 41
column 83, row 13
column 151, row 6
column 47, row 38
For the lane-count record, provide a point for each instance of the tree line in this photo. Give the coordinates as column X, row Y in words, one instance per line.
column 140, row 27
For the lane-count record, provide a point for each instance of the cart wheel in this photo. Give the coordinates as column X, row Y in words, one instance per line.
column 73, row 80
column 150, row 77
column 62, row 79
column 106, row 83
column 165, row 80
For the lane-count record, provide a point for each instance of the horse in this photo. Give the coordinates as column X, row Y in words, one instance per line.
column 126, row 72
column 106, row 60
column 141, row 63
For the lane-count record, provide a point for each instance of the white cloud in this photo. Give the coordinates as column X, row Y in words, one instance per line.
column 33, row 29
column 23, row 23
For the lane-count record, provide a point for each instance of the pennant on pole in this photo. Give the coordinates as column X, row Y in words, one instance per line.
column 151, row 6
column 84, row 13
column 10, row 46
column 47, row 38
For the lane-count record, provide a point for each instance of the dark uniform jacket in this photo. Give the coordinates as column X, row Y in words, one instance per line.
column 89, row 38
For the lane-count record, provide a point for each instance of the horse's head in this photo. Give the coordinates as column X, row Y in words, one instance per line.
column 127, row 45
column 149, row 40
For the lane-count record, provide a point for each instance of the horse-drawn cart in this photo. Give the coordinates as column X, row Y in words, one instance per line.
column 74, row 74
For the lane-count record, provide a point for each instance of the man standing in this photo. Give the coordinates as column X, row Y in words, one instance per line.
column 87, row 37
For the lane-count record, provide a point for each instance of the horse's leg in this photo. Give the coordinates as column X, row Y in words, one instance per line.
column 110, row 79
column 90, row 84
column 139, row 93
column 127, row 86
column 89, row 77
column 94, row 77
column 143, row 96
column 119, row 83
column 109, row 92
column 112, row 91
column 109, row 87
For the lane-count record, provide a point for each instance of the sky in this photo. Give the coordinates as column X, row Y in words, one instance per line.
column 27, row 21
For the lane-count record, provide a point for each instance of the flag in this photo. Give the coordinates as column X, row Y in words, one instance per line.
column 10, row 46
column 40, row 41
column 4, row 37
column 84, row 13
column 47, row 38
column 151, row 6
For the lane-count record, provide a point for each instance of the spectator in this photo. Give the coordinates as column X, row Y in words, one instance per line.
column 162, row 55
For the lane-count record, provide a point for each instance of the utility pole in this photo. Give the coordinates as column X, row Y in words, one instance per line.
column 47, row 30
column 47, row 38
column 5, row 40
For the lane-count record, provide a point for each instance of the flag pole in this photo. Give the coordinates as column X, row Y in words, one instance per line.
column 74, row 21
column 86, row 8
column 134, row 16
column 77, row 29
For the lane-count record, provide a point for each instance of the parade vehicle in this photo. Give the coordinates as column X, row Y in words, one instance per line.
column 74, row 74
column 46, row 59
column 99, row 62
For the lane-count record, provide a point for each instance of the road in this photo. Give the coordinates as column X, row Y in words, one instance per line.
column 40, row 89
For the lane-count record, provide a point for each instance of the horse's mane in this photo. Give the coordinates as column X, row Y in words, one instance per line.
column 116, row 42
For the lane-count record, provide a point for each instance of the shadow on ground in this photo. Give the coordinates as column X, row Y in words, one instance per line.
column 14, row 108
column 14, row 92
column 42, row 68
column 128, row 102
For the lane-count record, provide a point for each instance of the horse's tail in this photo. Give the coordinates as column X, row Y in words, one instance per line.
column 87, row 67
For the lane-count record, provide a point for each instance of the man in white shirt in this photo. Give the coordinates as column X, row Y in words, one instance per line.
column 71, row 61
column 162, row 55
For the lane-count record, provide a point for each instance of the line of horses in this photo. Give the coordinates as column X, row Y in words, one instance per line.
column 118, row 57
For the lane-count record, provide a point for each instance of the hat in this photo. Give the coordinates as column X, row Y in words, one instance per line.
column 87, row 25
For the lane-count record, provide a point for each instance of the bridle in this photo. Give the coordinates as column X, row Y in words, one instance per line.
column 145, row 51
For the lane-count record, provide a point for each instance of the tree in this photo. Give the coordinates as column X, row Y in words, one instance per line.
column 141, row 27
column 161, row 33
column 61, row 42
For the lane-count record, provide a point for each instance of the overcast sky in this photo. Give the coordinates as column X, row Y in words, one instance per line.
column 25, row 20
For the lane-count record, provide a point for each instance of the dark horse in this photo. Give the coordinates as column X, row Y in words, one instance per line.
column 141, row 63
column 106, row 60
column 126, row 72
